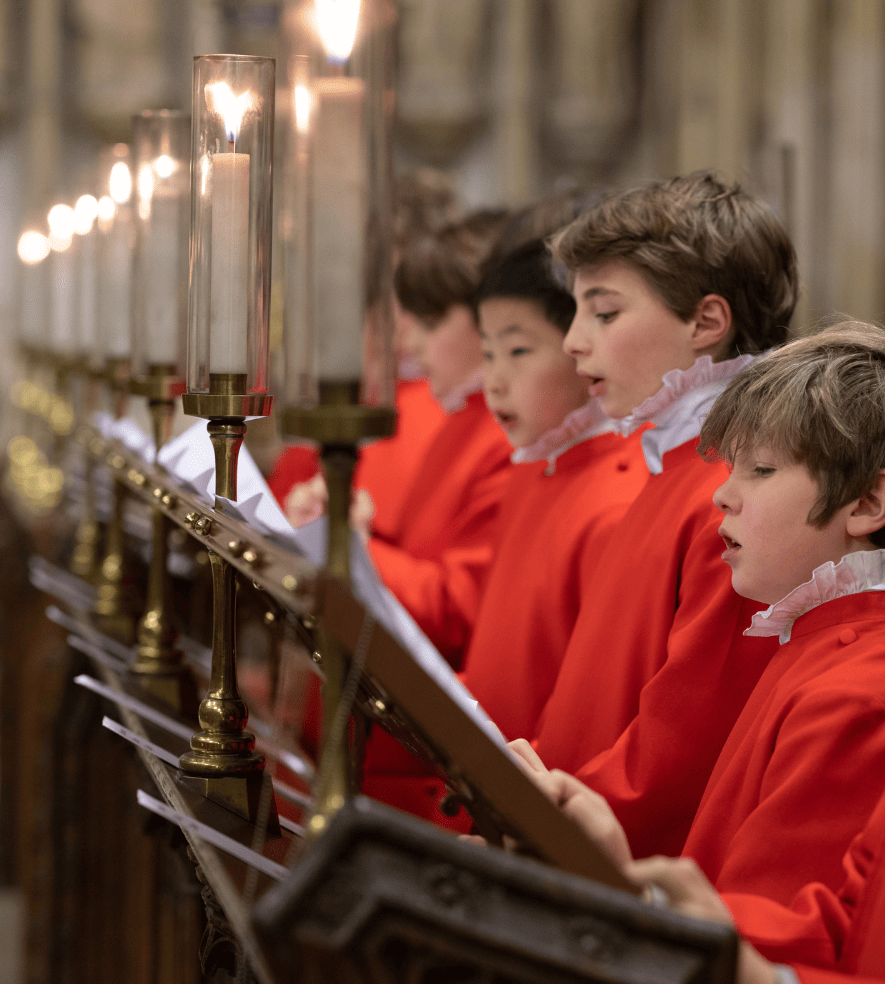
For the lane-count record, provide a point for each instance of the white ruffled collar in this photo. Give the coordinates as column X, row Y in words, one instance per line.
column 863, row 570
column 679, row 407
column 456, row 399
column 580, row 425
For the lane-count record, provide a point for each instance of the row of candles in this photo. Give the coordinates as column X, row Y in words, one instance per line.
column 170, row 264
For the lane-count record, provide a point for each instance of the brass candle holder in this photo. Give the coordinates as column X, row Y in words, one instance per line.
column 159, row 663
column 223, row 764
column 115, row 607
column 84, row 558
column 337, row 423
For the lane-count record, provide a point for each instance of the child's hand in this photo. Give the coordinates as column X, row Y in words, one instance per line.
column 307, row 501
column 588, row 809
column 362, row 512
column 689, row 892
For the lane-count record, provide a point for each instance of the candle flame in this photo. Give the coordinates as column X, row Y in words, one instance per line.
column 120, row 183
column 59, row 244
column 61, row 222
column 337, row 23
column 106, row 212
column 164, row 166
column 302, row 101
column 33, row 247
column 230, row 108
column 85, row 212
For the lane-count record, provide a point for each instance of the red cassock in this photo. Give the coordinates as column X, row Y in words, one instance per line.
column 657, row 669
column 436, row 557
column 804, row 766
column 842, row 929
column 533, row 593
column 530, row 602
column 385, row 467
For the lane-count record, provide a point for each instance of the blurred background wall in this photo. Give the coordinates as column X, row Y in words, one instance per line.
column 512, row 99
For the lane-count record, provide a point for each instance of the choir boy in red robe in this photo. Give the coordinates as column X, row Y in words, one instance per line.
column 436, row 554
column 804, row 767
column 676, row 283
column 572, row 479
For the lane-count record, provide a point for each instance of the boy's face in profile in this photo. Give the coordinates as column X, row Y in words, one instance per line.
column 447, row 352
column 624, row 337
column 530, row 384
column 770, row 546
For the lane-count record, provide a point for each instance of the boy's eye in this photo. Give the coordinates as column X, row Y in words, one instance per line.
column 487, row 356
column 606, row 316
column 763, row 470
column 520, row 350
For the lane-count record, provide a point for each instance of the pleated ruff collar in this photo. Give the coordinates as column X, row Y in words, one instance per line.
column 863, row 570
column 580, row 425
column 457, row 399
column 679, row 407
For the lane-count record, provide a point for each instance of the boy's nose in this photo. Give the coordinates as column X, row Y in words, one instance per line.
column 576, row 341
column 723, row 498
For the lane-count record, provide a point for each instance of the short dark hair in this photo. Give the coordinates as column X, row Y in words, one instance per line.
column 440, row 269
column 527, row 273
column 818, row 401
column 692, row 236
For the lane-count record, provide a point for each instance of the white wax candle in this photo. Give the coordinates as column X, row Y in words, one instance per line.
column 228, row 318
column 116, row 291
column 339, row 219
column 63, row 310
column 163, row 281
column 87, row 329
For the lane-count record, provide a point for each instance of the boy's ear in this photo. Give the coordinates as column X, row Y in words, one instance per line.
column 713, row 328
column 868, row 514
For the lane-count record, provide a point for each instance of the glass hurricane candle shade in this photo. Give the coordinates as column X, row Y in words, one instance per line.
column 162, row 187
column 232, row 193
column 116, row 240
column 336, row 220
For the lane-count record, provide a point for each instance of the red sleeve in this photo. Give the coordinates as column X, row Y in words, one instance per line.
column 814, row 975
column 443, row 595
column 822, row 781
column 295, row 465
column 655, row 774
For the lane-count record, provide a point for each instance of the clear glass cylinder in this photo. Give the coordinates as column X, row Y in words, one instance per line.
column 336, row 222
column 86, row 238
column 62, row 279
column 116, row 241
column 33, row 323
column 231, row 224
column 162, row 188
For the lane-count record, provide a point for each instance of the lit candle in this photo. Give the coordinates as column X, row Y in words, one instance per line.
column 229, row 184
column 160, row 207
column 63, row 302
column 116, row 264
column 33, row 248
column 85, row 213
column 339, row 220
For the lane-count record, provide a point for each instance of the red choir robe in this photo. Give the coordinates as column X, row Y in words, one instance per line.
column 436, row 557
column 804, row 765
column 657, row 669
column 385, row 468
column 551, row 509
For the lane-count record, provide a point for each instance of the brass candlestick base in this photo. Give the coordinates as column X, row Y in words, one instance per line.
column 223, row 756
column 338, row 423
column 159, row 662
column 115, row 602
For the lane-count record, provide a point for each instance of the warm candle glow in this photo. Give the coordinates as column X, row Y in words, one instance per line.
column 165, row 166
column 337, row 23
column 302, row 102
column 61, row 221
column 106, row 211
column 221, row 99
column 33, row 247
column 120, row 183
column 85, row 213
column 145, row 186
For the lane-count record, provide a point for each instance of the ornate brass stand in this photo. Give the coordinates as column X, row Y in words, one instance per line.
column 159, row 663
column 338, row 422
column 84, row 559
column 223, row 764
column 115, row 606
